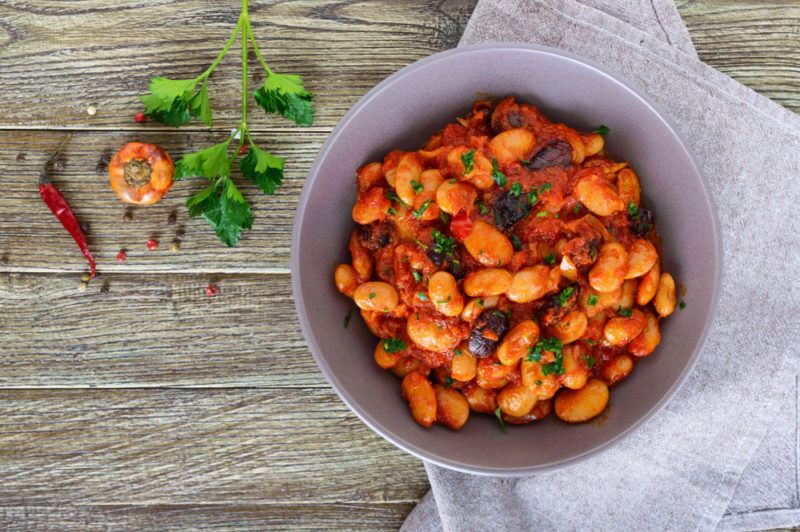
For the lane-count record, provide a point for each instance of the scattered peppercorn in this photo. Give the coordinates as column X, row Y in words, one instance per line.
column 122, row 256
column 175, row 246
column 140, row 117
column 152, row 244
column 211, row 290
column 172, row 219
column 128, row 216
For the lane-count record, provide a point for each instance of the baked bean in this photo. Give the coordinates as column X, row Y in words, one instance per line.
column 528, row 284
column 512, row 145
column 474, row 307
column 598, row 196
column 487, row 282
column 628, row 186
column 371, row 206
column 443, row 293
column 594, row 302
column 628, row 294
column 488, row 245
column 368, row 176
column 665, row 299
column 452, row 410
column 408, row 171
column 464, row 365
column 543, row 386
column 492, row 374
column 648, row 285
column 418, row 391
column 620, row 330
column 617, row 369
column 407, row 364
column 384, row 358
column 377, row 296
column 345, row 278
column 430, row 335
column 576, row 372
column 577, row 406
column 452, row 198
column 571, row 327
column 480, row 399
column 648, row 339
column 518, row 342
column 516, row 400
column 641, row 258
column 608, row 272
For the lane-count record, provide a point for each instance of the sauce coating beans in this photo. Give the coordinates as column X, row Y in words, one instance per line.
column 508, row 267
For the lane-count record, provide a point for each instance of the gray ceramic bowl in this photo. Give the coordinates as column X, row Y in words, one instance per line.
column 401, row 112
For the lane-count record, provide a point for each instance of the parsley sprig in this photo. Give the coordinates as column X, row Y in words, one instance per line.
column 176, row 102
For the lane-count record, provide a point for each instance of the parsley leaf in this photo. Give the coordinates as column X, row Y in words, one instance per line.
column 285, row 95
column 263, row 169
column 210, row 163
column 417, row 213
column 393, row 345
column 498, row 176
column 468, row 160
column 443, row 244
column 516, row 189
column 224, row 207
column 498, row 414
column 603, row 130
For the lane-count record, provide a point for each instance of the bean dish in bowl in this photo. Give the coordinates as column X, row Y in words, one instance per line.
column 507, row 267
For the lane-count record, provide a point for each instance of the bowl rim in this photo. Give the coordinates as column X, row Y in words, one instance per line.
column 377, row 426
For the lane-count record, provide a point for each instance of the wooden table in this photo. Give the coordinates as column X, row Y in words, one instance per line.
column 140, row 402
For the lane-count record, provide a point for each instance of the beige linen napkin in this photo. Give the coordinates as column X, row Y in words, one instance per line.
column 685, row 469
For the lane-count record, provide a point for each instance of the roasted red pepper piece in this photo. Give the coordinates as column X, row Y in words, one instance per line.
column 53, row 199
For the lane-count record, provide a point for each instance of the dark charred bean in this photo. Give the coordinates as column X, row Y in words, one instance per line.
column 510, row 208
column 487, row 331
column 554, row 153
column 375, row 235
column 641, row 222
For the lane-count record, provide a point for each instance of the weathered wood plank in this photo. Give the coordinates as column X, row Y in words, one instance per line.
column 31, row 239
column 156, row 330
column 754, row 41
column 194, row 447
column 309, row 517
column 59, row 57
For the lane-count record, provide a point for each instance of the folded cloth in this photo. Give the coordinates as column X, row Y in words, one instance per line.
column 681, row 469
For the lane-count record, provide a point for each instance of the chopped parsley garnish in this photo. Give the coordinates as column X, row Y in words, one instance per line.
column 602, row 130
column 372, row 295
column 417, row 213
column 592, row 299
column 550, row 259
column 482, row 208
column 417, row 186
column 468, row 160
column 589, row 361
column 393, row 345
column 421, row 296
column 347, row 318
column 564, row 295
column 516, row 242
column 499, row 417
column 443, row 244
column 633, row 210
column 391, row 195
column 624, row 312
column 417, row 275
column 516, row 189
column 498, row 176
column 682, row 304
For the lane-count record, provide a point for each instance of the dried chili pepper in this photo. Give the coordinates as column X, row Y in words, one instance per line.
column 60, row 208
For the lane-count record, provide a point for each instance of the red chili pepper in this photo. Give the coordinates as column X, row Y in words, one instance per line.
column 461, row 225
column 53, row 199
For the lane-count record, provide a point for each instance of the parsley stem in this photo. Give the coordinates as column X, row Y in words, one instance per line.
column 222, row 53
column 257, row 51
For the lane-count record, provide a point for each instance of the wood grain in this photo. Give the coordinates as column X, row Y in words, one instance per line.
column 152, row 330
column 239, row 446
column 303, row 517
column 31, row 239
column 68, row 55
